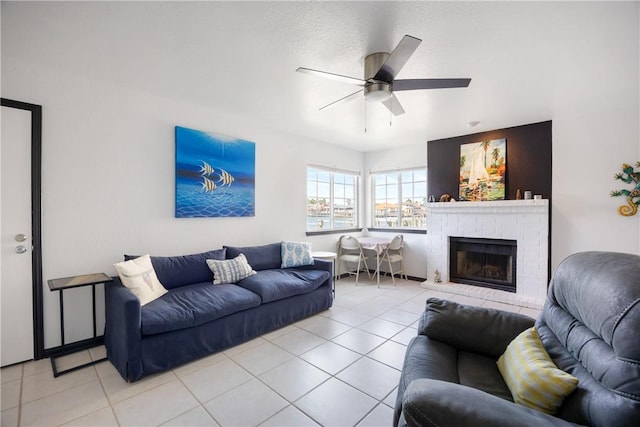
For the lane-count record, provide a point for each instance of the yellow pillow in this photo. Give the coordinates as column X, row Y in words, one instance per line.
column 532, row 377
column 139, row 276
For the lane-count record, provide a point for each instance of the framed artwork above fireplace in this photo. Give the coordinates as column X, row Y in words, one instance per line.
column 483, row 167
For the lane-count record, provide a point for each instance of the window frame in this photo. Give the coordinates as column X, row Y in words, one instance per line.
column 332, row 197
column 397, row 173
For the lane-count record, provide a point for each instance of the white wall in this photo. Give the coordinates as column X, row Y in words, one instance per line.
column 108, row 181
column 589, row 147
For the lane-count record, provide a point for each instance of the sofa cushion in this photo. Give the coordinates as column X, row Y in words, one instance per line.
column 296, row 254
column 263, row 257
column 230, row 270
column 193, row 305
column 474, row 329
column 481, row 372
column 139, row 276
column 532, row 377
column 175, row 271
column 277, row 284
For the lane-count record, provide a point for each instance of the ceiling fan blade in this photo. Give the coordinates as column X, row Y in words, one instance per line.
column 415, row 84
column 347, row 98
column 394, row 105
column 332, row 76
column 397, row 59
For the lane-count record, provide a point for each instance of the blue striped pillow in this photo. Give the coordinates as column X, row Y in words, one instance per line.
column 230, row 270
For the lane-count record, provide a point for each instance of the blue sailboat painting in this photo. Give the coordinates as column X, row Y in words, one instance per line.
column 215, row 175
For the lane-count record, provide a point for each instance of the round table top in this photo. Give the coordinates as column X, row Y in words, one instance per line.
column 323, row 254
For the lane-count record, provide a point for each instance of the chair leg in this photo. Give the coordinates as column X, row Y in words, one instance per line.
column 366, row 267
column 357, row 272
column 392, row 274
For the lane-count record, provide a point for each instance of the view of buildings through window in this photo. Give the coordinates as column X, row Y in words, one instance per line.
column 332, row 199
column 400, row 199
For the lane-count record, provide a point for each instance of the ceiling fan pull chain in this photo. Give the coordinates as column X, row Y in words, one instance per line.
column 365, row 117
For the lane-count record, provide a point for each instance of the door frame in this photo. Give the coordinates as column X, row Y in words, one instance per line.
column 36, row 220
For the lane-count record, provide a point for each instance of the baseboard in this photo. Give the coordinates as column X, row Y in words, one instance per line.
column 384, row 273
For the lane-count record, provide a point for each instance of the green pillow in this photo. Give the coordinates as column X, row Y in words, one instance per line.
column 532, row 377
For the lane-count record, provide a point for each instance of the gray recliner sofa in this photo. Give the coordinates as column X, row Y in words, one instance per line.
column 590, row 326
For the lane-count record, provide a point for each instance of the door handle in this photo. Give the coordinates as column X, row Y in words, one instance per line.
column 20, row 249
column 20, row 238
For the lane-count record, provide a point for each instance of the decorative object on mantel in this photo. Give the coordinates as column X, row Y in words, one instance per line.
column 482, row 170
column 436, row 277
column 445, row 197
column 629, row 176
column 215, row 175
column 518, row 194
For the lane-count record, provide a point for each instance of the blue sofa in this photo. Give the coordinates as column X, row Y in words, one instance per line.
column 196, row 318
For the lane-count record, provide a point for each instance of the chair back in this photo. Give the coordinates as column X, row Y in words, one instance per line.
column 396, row 243
column 349, row 243
column 590, row 326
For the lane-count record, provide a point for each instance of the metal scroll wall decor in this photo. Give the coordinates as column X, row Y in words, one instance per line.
column 629, row 176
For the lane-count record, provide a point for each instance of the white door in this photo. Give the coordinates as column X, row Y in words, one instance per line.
column 16, row 288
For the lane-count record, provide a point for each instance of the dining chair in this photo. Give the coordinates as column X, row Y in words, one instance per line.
column 393, row 254
column 350, row 252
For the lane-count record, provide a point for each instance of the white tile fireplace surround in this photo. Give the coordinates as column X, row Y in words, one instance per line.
column 525, row 221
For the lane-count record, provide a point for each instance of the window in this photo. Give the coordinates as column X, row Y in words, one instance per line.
column 332, row 199
column 399, row 199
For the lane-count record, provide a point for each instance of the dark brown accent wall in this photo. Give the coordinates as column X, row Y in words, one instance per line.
column 528, row 160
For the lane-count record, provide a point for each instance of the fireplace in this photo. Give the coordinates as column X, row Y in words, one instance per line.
column 489, row 263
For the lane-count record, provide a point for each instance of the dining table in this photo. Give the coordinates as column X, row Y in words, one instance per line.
column 377, row 245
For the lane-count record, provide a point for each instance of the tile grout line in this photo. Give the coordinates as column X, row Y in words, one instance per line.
column 200, row 404
column 20, row 396
column 399, row 296
column 109, row 405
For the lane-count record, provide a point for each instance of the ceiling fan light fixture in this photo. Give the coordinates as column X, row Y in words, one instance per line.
column 379, row 80
column 377, row 92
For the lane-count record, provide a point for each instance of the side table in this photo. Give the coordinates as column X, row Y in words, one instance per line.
column 329, row 256
column 61, row 285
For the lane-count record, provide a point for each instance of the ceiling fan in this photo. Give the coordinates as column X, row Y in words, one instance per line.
column 380, row 71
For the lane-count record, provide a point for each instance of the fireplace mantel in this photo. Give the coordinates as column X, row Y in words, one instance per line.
column 496, row 206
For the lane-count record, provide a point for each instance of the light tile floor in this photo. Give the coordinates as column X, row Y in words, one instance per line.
column 340, row 368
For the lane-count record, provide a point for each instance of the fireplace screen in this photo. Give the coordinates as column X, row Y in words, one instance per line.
column 489, row 263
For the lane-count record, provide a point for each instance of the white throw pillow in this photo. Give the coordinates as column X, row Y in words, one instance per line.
column 139, row 276
column 230, row 270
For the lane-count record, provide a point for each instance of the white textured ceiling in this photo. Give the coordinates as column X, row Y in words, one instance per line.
column 528, row 62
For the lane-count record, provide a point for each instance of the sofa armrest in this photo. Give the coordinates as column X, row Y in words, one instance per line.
column 438, row 403
column 476, row 329
column 122, row 328
column 318, row 264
